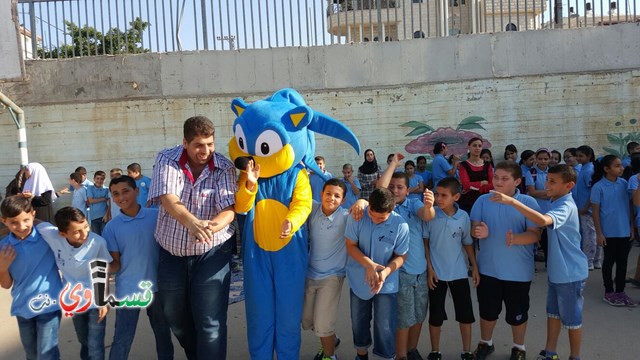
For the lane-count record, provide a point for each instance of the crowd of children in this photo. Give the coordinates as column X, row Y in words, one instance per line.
column 399, row 237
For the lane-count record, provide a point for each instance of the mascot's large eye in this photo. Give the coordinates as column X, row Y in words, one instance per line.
column 268, row 143
column 240, row 138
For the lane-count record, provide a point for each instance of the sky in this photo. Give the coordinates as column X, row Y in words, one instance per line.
column 251, row 23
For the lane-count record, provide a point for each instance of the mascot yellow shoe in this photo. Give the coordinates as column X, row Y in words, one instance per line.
column 278, row 133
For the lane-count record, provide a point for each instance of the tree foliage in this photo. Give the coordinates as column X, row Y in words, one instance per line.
column 87, row 41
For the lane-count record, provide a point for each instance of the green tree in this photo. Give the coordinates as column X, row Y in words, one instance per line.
column 87, row 41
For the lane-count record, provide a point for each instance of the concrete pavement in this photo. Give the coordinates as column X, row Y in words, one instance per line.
column 608, row 332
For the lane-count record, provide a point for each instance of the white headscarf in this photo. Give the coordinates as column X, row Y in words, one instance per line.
column 39, row 182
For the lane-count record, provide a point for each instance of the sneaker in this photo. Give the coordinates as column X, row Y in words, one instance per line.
column 320, row 354
column 483, row 350
column 626, row 300
column 466, row 356
column 612, row 299
column 597, row 265
column 635, row 282
column 591, row 267
column 413, row 355
column 517, row 354
column 434, row 355
column 334, row 357
column 543, row 356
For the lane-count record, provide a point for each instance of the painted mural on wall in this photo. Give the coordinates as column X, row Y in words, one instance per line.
column 456, row 139
column 618, row 141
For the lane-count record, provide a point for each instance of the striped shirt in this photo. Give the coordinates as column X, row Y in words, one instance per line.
column 204, row 197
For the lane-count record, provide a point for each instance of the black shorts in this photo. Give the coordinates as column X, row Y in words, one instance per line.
column 461, row 294
column 515, row 294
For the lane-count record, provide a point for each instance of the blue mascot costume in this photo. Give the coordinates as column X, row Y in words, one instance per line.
column 278, row 133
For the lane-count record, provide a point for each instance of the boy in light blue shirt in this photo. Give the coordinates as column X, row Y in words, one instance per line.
column 377, row 246
column 505, row 271
column 28, row 268
column 567, row 265
column 74, row 248
column 440, row 166
column 448, row 246
column 317, row 181
column 98, row 199
column 353, row 186
column 79, row 196
column 326, row 271
column 143, row 183
column 135, row 252
column 412, row 294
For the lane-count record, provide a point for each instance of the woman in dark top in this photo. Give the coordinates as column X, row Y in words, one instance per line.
column 33, row 181
column 368, row 174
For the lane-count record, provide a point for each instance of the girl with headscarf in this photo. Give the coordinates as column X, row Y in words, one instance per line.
column 368, row 174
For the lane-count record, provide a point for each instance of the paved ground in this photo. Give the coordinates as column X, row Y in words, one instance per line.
column 609, row 333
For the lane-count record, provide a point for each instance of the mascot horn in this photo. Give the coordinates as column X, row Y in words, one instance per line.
column 278, row 134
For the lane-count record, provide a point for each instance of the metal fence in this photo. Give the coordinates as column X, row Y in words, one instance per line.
column 70, row 28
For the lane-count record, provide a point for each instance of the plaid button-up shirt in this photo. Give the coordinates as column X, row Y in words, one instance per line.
column 204, row 197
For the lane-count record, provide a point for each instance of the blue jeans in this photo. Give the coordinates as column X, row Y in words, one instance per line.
column 565, row 301
column 194, row 293
column 90, row 334
column 39, row 336
column 385, row 307
column 125, row 330
column 97, row 225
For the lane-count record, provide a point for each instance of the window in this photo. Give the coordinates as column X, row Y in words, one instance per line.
column 511, row 27
column 418, row 34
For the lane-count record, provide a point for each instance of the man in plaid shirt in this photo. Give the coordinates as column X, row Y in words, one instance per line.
column 195, row 187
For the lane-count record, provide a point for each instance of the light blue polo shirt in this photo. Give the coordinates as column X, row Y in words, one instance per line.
column 79, row 200
column 379, row 242
column 582, row 194
column 416, row 262
column 413, row 182
column 495, row 258
column 143, row 184
column 34, row 273
column 539, row 184
column 566, row 262
column 350, row 198
column 327, row 252
column 613, row 198
column 74, row 263
column 447, row 236
column 317, row 183
column 578, row 168
column 97, row 210
column 440, row 166
column 425, row 175
column 633, row 186
column 133, row 238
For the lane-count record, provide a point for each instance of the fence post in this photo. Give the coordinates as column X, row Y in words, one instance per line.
column 34, row 33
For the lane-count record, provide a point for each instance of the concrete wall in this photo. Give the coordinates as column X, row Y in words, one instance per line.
column 554, row 88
